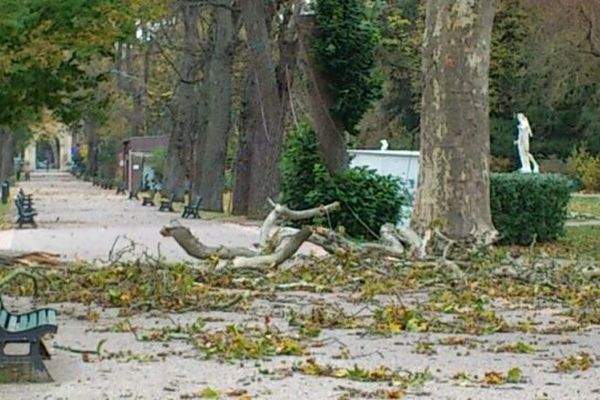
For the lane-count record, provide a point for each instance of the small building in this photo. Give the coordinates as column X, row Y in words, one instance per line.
column 134, row 157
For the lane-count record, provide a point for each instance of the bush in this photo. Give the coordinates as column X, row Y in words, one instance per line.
column 368, row 200
column 586, row 168
column 528, row 207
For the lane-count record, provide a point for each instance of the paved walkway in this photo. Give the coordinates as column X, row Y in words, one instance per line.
column 82, row 222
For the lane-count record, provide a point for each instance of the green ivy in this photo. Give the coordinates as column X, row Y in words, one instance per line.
column 528, row 207
column 346, row 50
column 297, row 175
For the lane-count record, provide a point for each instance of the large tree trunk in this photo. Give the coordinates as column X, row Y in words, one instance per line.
column 218, row 88
column 454, row 183
column 266, row 105
column 6, row 153
column 267, row 109
column 185, row 135
column 248, row 125
column 331, row 137
column 90, row 127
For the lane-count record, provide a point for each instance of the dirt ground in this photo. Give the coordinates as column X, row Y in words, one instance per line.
column 79, row 221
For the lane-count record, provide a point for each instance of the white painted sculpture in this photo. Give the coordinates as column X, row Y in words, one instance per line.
column 528, row 163
column 384, row 145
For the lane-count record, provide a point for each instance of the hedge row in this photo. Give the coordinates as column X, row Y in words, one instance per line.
column 528, row 207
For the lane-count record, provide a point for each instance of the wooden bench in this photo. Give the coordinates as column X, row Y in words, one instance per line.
column 148, row 200
column 167, row 205
column 26, row 328
column 192, row 210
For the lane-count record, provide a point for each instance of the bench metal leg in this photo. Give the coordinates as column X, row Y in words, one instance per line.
column 44, row 351
column 25, row 368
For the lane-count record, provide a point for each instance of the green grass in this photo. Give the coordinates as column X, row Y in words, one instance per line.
column 578, row 242
column 585, row 206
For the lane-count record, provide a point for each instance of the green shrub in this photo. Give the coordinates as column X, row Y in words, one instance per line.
column 586, row 168
column 529, row 206
column 368, row 200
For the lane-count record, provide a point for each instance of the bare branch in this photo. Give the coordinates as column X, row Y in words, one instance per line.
column 197, row 249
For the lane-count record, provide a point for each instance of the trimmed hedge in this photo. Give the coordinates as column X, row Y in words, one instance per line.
column 529, row 206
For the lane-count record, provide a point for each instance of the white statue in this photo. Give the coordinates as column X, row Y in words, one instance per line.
column 522, row 142
column 384, row 144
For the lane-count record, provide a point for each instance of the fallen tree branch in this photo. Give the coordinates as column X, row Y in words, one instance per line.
column 197, row 249
column 284, row 251
column 333, row 241
column 281, row 211
column 12, row 258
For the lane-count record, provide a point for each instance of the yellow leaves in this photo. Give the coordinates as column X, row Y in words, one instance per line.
column 493, row 378
column 379, row 374
column 517, row 347
column 513, row 375
column 238, row 343
column 576, row 362
column 395, row 318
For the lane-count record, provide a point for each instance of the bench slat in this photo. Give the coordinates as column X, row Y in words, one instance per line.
column 51, row 317
column 12, row 323
column 33, row 321
column 42, row 318
column 23, row 322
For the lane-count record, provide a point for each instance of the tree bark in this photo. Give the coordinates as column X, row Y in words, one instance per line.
column 454, row 184
column 90, row 127
column 218, row 85
column 266, row 107
column 184, row 137
column 6, row 153
column 241, row 189
column 331, row 137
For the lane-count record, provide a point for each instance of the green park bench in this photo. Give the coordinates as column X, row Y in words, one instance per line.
column 25, row 214
column 192, row 210
column 25, row 328
column 167, row 205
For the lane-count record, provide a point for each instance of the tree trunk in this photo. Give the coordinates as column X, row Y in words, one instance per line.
column 185, row 134
column 90, row 127
column 136, row 119
column 266, row 106
column 218, row 88
column 241, row 189
column 6, row 153
column 331, row 137
column 454, row 183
